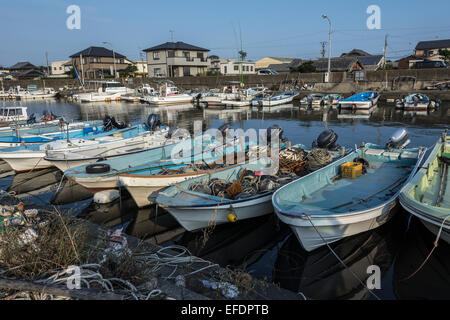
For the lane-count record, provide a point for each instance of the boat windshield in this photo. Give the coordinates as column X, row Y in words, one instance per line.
column 10, row 112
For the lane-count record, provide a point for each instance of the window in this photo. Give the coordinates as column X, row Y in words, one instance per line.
column 60, row 68
column 236, row 68
column 156, row 55
column 54, row 68
column 251, row 68
column 171, row 54
column 225, row 69
column 360, row 76
column 156, row 70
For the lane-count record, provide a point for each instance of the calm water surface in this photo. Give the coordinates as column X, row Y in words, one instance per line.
column 265, row 247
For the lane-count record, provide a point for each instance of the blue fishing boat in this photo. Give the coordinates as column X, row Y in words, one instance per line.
column 363, row 100
column 352, row 195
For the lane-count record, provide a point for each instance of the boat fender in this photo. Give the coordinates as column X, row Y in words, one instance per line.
column 98, row 168
column 231, row 217
column 106, row 196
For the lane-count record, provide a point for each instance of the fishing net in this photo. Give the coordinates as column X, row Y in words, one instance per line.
column 293, row 163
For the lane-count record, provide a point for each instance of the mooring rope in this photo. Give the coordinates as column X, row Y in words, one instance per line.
column 339, row 259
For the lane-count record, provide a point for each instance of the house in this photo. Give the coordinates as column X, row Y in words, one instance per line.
column 430, row 49
column 25, row 70
column 176, row 59
column 142, row 68
column 98, row 62
column 232, row 66
column 60, row 68
column 341, row 64
column 286, row 67
column 370, row 62
column 406, row 62
column 265, row 63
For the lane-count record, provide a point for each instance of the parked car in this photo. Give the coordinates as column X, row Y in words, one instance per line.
column 427, row 64
column 267, row 72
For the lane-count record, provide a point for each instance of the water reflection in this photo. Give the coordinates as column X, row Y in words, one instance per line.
column 433, row 280
column 320, row 275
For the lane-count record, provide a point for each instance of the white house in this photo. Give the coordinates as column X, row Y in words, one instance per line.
column 59, row 68
column 142, row 68
column 233, row 67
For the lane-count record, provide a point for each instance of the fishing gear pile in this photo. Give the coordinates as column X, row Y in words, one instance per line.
column 293, row 163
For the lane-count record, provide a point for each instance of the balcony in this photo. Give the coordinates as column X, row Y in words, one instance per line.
column 187, row 61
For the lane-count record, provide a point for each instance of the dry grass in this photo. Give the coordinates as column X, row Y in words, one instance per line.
column 61, row 241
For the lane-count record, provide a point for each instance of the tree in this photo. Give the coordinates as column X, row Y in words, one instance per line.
column 445, row 53
column 129, row 71
column 305, row 67
column 213, row 57
column 242, row 54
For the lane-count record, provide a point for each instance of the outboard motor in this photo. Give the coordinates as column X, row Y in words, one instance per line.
column 278, row 131
column 153, row 122
column 224, row 130
column 118, row 124
column 172, row 132
column 108, row 123
column 399, row 140
column 31, row 119
column 326, row 140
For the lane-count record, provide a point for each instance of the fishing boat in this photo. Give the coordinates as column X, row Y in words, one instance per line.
column 362, row 100
column 332, row 98
column 427, row 195
column 35, row 139
column 103, row 175
column 114, row 147
column 45, row 93
column 168, row 94
column 30, row 156
column 416, row 102
column 109, row 91
column 278, row 99
column 350, row 196
column 315, row 99
column 240, row 192
column 243, row 97
column 144, row 181
column 12, row 114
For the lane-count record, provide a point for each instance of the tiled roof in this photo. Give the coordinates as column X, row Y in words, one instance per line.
column 434, row 44
column 22, row 66
column 337, row 64
column 97, row 52
column 175, row 46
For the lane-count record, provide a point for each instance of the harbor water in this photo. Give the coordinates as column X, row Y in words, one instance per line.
column 265, row 247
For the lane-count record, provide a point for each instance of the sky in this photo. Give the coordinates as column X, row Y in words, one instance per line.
column 282, row 28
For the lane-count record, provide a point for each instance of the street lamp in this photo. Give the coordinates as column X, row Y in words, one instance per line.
column 329, row 44
column 114, row 58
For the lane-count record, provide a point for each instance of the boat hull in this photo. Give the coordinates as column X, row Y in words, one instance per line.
column 332, row 230
column 26, row 163
column 195, row 218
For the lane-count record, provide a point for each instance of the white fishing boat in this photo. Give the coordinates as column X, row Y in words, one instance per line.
column 109, row 91
column 119, row 147
column 314, row 99
column 46, row 93
column 275, row 100
column 243, row 97
column 13, row 114
column 350, row 196
column 416, row 102
column 168, row 94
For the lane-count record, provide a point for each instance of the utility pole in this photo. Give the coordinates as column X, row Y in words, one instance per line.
column 46, row 58
column 82, row 69
column 322, row 52
column 324, row 16
column 171, row 35
column 385, row 49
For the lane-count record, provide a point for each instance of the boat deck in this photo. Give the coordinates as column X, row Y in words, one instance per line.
column 431, row 193
column 380, row 183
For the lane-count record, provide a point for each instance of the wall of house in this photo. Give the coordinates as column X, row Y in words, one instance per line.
column 232, row 68
column 161, row 60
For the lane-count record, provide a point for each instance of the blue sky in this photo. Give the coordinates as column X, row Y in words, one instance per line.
column 284, row 28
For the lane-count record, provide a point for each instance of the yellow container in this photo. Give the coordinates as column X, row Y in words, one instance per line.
column 351, row 170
